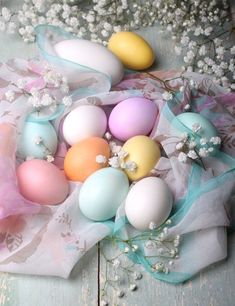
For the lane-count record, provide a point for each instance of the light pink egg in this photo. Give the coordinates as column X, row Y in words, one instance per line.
column 131, row 117
column 42, row 182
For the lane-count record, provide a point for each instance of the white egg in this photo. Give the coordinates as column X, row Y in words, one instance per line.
column 149, row 200
column 83, row 122
column 91, row 55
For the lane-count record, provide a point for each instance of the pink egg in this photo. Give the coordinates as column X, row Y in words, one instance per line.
column 42, row 182
column 132, row 117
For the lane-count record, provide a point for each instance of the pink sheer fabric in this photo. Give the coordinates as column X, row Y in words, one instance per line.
column 11, row 201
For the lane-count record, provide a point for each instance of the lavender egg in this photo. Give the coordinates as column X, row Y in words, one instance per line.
column 131, row 117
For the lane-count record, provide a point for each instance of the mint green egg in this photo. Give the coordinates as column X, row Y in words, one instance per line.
column 188, row 119
column 102, row 193
column 29, row 143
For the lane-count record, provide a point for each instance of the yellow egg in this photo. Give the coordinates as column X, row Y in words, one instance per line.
column 145, row 152
column 132, row 50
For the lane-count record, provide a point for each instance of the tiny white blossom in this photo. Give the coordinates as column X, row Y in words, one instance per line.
column 134, row 247
column 126, row 250
column 152, row 226
column 6, row 13
column 137, row 275
column 130, row 166
column 215, row 140
column 67, row 101
column 122, row 154
column 21, row 83
column 115, row 149
column 182, row 157
column 187, row 107
column 192, row 144
column 167, row 96
column 203, row 141
column 192, row 154
column 181, row 89
column 47, row 100
column 208, row 31
column 107, row 136
column 114, row 162
column 133, row 287
column 202, row 50
column 232, row 50
column 198, row 31
column 203, row 152
column 179, row 146
column 101, row 159
column 50, row 158
column 210, row 149
column 10, row 95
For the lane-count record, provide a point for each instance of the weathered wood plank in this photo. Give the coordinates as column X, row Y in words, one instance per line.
column 79, row 290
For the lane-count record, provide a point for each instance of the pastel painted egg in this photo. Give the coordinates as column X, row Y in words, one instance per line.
column 91, row 55
column 189, row 120
column 42, row 182
column 149, row 200
column 38, row 139
column 83, row 122
column 144, row 152
column 132, row 50
column 86, row 157
column 132, row 117
column 102, row 193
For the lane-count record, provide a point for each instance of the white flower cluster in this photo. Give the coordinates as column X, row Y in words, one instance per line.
column 189, row 149
column 118, row 158
column 201, row 28
column 42, row 98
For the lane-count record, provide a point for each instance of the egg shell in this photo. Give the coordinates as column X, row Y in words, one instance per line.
column 102, row 193
column 80, row 160
column 132, row 50
column 149, row 200
column 27, row 145
column 91, row 55
column 83, row 122
column 42, row 182
column 188, row 119
column 131, row 117
column 145, row 152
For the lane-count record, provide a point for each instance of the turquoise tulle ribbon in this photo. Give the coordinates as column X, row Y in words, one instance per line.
column 85, row 81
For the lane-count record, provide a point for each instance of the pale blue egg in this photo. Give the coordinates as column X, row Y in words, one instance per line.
column 38, row 139
column 189, row 119
column 102, row 193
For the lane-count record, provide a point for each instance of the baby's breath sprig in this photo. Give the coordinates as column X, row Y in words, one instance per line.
column 203, row 30
column 158, row 249
column 41, row 96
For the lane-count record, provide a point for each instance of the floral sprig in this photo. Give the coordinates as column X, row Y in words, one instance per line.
column 118, row 155
column 40, row 96
column 157, row 248
column 193, row 147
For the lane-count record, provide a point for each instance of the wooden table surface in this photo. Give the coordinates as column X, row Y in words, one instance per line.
column 213, row 287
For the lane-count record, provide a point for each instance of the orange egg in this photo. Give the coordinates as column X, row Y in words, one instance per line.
column 81, row 159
